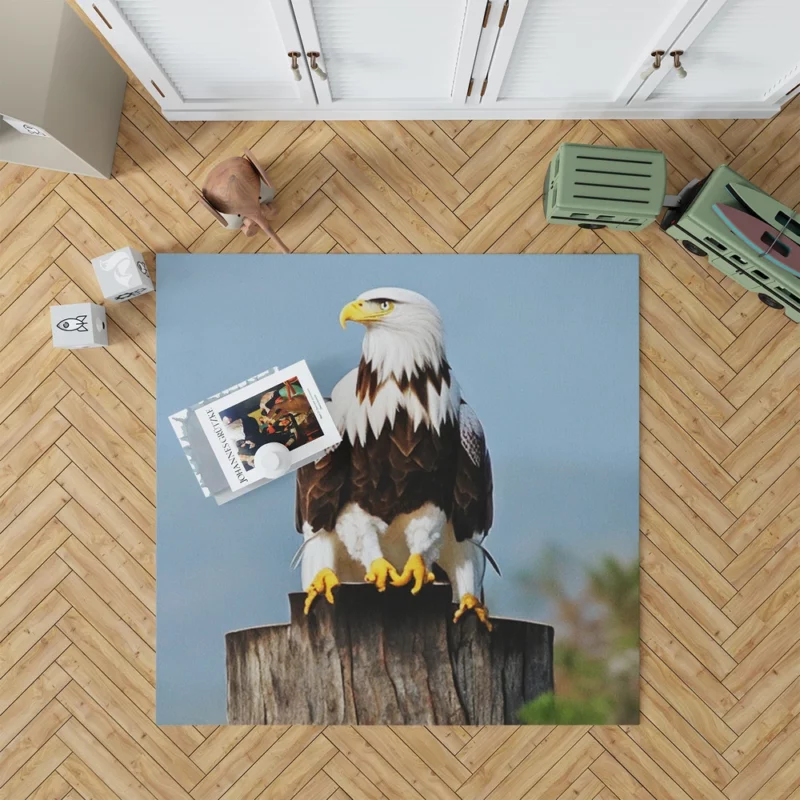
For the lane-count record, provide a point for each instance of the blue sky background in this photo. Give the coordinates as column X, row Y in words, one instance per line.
column 545, row 349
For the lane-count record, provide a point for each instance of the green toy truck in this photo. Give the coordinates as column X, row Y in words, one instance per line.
column 598, row 187
column 701, row 231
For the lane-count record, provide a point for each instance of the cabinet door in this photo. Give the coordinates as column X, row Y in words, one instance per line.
column 390, row 54
column 554, row 54
column 735, row 51
column 207, row 54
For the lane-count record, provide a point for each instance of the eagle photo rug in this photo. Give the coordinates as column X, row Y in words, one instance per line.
column 495, row 392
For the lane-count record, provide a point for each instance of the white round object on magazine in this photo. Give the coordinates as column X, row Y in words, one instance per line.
column 273, row 460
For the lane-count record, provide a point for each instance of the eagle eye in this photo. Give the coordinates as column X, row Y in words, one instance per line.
column 385, row 305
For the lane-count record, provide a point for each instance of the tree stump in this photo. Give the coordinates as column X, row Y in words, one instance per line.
column 386, row 658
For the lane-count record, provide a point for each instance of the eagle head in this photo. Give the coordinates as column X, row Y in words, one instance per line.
column 403, row 364
column 404, row 333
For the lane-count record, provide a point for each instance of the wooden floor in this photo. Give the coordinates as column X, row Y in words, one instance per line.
column 720, row 471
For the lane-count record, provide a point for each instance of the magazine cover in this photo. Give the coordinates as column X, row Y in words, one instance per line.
column 284, row 407
column 197, row 448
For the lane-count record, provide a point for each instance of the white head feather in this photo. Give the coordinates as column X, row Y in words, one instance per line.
column 408, row 339
column 401, row 344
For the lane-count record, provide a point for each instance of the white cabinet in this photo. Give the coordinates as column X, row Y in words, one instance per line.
column 734, row 51
column 384, row 54
column 205, row 59
column 576, row 53
column 227, row 57
column 579, row 58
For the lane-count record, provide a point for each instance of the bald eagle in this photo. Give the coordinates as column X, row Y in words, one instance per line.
column 410, row 485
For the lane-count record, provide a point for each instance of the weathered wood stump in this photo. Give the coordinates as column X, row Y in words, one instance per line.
column 386, row 658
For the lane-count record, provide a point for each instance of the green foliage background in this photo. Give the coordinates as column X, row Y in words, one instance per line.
column 596, row 651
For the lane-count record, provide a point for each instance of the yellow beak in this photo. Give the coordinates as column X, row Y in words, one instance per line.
column 357, row 312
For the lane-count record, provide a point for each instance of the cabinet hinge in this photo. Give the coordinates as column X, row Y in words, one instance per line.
column 483, row 88
column 486, row 13
column 503, row 15
column 469, row 88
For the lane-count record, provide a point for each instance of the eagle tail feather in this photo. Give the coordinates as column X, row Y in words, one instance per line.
column 297, row 557
column 489, row 557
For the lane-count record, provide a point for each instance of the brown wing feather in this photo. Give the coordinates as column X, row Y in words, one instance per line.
column 322, row 489
column 403, row 468
column 473, row 507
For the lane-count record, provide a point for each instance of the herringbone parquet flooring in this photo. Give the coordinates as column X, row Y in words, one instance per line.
column 720, row 469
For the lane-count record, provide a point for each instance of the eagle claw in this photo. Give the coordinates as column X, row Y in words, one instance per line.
column 381, row 571
column 415, row 570
column 323, row 584
column 471, row 603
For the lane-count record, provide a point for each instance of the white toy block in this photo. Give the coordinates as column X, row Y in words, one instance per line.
column 78, row 325
column 122, row 274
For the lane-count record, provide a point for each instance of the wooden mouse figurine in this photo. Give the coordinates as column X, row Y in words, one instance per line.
column 238, row 192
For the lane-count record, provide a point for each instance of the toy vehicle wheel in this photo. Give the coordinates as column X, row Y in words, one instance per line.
column 769, row 301
column 592, row 226
column 693, row 248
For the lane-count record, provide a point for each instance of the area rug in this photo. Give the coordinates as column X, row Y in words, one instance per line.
column 468, row 554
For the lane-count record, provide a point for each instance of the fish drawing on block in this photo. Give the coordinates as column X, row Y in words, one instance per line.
column 77, row 324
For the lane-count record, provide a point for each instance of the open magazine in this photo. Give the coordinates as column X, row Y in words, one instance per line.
column 222, row 435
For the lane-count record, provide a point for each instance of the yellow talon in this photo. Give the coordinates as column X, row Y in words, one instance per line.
column 381, row 571
column 323, row 584
column 415, row 570
column 471, row 603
